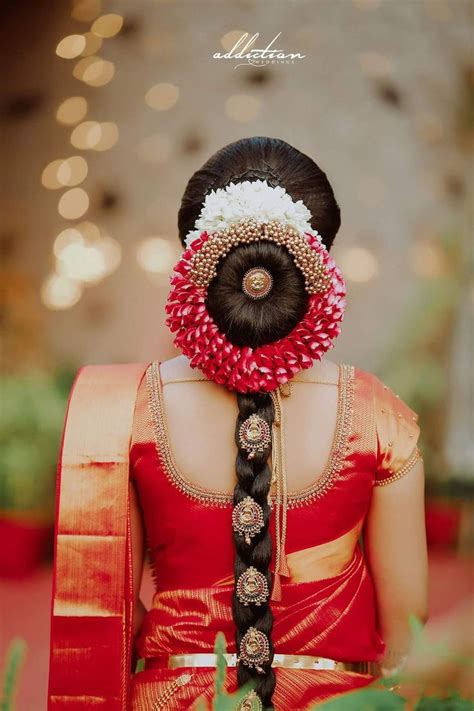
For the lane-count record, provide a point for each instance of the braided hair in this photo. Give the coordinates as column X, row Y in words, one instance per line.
column 250, row 322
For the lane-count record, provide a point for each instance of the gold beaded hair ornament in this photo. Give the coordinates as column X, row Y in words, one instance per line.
column 241, row 214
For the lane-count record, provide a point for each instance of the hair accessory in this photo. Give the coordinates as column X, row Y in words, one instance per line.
column 257, row 283
column 252, row 587
column 218, row 245
column 247, row 518
column 251, row 702
column 254, row 649
column 254, row 435
column 251, row 198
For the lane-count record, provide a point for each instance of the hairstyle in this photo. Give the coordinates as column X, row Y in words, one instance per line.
column 256, row 322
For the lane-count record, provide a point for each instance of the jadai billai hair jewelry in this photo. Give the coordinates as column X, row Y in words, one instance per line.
column 257, row 283
column 254, row 435
column 247, row 519
column 254, row 649
column 241, row 214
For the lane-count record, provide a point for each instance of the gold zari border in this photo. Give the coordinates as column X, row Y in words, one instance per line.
column 210, row 497
column 411, row 461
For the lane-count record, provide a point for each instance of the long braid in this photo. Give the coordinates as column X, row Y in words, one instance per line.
column 254, row 479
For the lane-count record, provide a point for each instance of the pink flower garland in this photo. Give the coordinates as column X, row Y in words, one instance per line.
column 252, row 369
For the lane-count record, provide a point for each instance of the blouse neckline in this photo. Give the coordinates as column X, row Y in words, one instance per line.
column 222, row 498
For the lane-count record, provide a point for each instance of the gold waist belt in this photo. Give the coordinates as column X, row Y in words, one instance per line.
column 288, row 661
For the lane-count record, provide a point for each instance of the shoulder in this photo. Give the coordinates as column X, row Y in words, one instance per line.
column 175, row 368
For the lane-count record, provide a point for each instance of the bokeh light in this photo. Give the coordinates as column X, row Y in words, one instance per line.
column 64, row 173
column 71, row 235
column 230, row 38
column 73, row 171
column 107, row 25
column 92, row 135
column 49, row 176
column 81, row 262
column 92, row 44
column 73, row 204
column 242, row 107
column 71, row 46
column 94, row 71
column 109, row 135
column 358, row 264
column 86, row 10
column 59, row 292
column 72, row 110
column 162, row 97
column 156, row 255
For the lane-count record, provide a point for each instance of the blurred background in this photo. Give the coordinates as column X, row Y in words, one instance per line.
column 106, row 110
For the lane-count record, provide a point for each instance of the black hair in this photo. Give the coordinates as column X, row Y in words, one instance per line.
column 254, row 322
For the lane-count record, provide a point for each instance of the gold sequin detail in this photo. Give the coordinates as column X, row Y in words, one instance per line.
column 218, row 245
column 206, row 496
column 162, row 701
column 403, row 470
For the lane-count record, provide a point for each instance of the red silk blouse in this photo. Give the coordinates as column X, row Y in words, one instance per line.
column 328, row 604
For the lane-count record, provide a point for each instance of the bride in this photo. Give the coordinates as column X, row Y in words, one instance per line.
column 279, row 494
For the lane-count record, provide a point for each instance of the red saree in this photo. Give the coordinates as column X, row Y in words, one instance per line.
column 327, row 607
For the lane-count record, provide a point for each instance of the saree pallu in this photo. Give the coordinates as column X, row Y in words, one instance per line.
column 91, row 613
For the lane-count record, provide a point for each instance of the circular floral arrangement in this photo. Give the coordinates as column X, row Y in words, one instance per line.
column 248, row 369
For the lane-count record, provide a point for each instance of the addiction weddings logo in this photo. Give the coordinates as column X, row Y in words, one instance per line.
column 245, row 51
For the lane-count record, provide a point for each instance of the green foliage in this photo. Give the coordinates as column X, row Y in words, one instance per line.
column 31, row 420
column 364, row 700
column 16, row 653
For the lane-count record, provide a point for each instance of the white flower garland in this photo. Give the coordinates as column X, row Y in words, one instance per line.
column 225, row 206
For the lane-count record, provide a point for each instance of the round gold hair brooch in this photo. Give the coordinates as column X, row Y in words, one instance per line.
column 254, row 435
column 247, row 518
column 257, row 283
column 251, row 702
column 252, row 587
column 254, row 649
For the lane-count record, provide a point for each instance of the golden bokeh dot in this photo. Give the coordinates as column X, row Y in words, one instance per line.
column 86, row 10
column 73, row 204
column 59, row 292
column 71, row 46
column 81, row 262
column 162, row 97
column 107, row 25
column 358, row 264
column 88, row 230
column 242, row 107
column 72, row 171
column 231, row 38
column 49, row 176
column 72, row 110
column 71, row 235
column 109, row 135
column 86, row 135
column 156, row 255
column 92, row 45
column 94, row 71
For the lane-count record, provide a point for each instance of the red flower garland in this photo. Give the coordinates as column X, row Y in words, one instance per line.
column 252, row 369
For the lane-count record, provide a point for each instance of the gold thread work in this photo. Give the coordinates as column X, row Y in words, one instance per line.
column 411, row 461
column 210, row 497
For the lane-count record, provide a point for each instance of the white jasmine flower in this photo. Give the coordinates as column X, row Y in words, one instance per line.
column 226, row 206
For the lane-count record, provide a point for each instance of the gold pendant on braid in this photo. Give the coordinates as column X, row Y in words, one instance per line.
column 252, row 587
column 254, row 650
column 218, row 245
column 251, row 702
column 254, row 435
column 247, row 518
